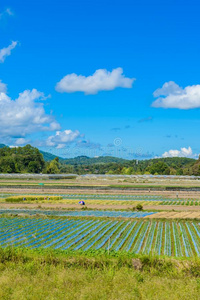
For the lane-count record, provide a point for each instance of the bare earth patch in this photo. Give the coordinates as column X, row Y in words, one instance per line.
column 171, row 212
column 174, row 215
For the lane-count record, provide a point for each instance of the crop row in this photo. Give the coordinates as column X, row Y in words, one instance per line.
column 113, row 197
column 170, row 238
column 104, row 199
column 83, row 213
column 181, row 202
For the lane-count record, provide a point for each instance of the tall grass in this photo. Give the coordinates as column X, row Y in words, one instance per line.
column 40, row 274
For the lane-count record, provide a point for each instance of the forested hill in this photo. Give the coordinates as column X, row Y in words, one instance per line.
column 174, row 162
column 2, row 146
column 21, row 160
column 30, row 160
column 85, row 160
column 49, row 156
column 107, row 165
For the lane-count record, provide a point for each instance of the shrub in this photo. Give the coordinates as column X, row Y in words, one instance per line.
column 139, row 207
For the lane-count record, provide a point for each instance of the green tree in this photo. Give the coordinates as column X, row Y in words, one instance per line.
column 53, row 166
column 160, row 168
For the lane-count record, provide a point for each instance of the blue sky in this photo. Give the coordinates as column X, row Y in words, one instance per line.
column 155, row 43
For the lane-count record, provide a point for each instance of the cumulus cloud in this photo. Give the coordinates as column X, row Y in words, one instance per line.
column 62, row 138
column 21, row 141
column 7, row 51
column 184, row 152
column 101, row 80
column 3, row 87
column 24, row 115
column 172, row 95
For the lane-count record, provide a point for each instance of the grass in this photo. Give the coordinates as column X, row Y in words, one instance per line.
column 31, row 274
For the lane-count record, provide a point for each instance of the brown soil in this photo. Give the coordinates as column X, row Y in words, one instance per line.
column 100, row 206
column 59, row 206
column 188, row 213
column 174, row 215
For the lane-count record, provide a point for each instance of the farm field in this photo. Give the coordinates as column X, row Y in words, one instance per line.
column 106, row 197
column 189, row 194
column 168, row 238
column 81, row 196
column 88, row 180
column 109, row 230
column 162, row 187
column 70, row 201
column 187, row 214
column 102, row 200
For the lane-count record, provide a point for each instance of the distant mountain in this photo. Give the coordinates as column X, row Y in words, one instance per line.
column 85, row 160
column 2, row 146
column 49, row 156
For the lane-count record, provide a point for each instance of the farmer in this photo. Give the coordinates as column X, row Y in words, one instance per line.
column 81, row 202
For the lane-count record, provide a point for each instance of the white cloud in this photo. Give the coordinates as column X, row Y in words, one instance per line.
column 172, row 95
column 24, row 116
column 184, row 152
column 3, row 87
column 101, row 80
column 7, row 11
column 54, row 126
column 21, row 141
column 61, row 138
column 7, row 51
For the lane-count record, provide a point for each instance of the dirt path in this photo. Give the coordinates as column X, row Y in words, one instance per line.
column 59, row 206
column 167, row 194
